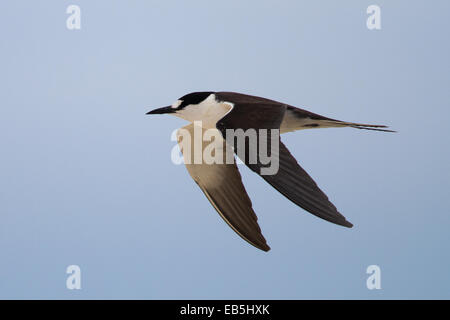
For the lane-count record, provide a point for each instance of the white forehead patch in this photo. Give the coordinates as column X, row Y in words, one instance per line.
column 176, row 104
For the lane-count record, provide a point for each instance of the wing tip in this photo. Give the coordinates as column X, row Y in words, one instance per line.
column 347, row 224
column 341, row 221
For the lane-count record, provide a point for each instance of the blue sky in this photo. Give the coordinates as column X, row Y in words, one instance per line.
column 86, row 178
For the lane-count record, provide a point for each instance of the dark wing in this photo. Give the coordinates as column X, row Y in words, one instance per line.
column 294, row 183
column 222, row 185
column 290, row 180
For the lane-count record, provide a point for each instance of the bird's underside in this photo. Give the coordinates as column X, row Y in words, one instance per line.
column 222, row 184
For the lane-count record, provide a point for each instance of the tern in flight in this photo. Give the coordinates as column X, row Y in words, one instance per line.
column 222, row 183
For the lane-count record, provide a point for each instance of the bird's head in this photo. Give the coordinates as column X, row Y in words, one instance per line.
column 185, row 106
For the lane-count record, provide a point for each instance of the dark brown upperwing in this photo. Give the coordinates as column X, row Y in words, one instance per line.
column 290, row 180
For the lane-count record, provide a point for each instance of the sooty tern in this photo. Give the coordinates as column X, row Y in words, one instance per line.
column 222, row 184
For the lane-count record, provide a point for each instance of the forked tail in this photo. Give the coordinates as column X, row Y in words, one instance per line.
column 298, row 119
column 375, row 127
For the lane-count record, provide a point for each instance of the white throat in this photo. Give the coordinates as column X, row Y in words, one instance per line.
column 209, row 111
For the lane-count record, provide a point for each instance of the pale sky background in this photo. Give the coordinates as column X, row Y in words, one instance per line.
column 86, row 176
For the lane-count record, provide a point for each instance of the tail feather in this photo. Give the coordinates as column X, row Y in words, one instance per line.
column 298, row 119
column 375, row 127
